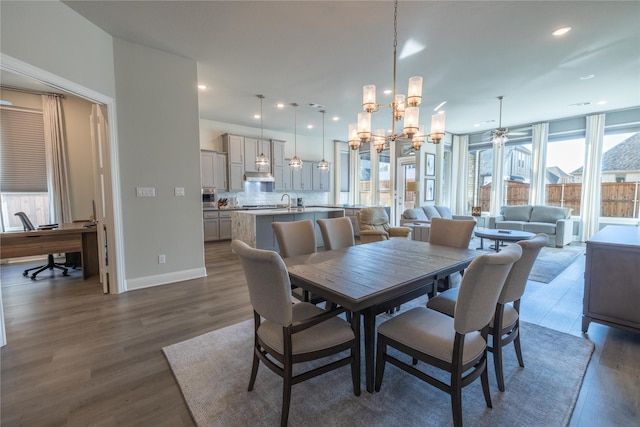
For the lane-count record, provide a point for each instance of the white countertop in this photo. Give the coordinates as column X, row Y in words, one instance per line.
column 285, row 211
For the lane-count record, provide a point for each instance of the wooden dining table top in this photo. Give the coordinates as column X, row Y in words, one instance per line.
column 364, row 275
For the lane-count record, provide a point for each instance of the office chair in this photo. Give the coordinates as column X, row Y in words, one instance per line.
column 50, row 265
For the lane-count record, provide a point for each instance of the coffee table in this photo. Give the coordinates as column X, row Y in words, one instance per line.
column 500, row 236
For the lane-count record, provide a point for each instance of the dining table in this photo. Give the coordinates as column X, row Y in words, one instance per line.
column 369, row 279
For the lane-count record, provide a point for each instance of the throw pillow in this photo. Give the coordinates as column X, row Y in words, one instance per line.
column 444, row 212
column 516, row 213
column 431, row 212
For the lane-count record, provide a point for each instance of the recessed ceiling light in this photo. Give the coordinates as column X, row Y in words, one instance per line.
column 309, row 126
column 587, row 77
column 561, row 31
column 602, row 102
column 335, row 118
column 256, row 116
column 280, row 105
column 203, row 87
column 388, row 92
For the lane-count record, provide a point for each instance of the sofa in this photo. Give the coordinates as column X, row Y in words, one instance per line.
column 424, row 214
column 554, row 221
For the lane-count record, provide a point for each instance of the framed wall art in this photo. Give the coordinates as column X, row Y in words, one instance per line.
column 430, row 164
column 430, row 190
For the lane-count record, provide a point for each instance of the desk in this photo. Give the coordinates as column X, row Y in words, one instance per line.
column 66, row 238
column 371, row 278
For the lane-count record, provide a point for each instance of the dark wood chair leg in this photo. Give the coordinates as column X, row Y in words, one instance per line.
column 456, row 399
column 286, row 393
column 254, row 370
column 497, row 361
column 484, row 379
column 516, row 345
column 354, row 319
column 380, row 361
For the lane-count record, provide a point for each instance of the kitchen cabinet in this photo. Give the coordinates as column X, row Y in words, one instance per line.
column 234, row 146
column 211, row 226
column 321, row 180
column 220, row 171
column 213, row 169
column 224, row 225
column 277, row 153
column 282, row 178
column 611, row 285
column 301, row 179
column 252, row 149
column 207, row 167
column 217, row 225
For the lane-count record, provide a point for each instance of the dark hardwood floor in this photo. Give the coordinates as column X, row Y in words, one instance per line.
column 77, row 357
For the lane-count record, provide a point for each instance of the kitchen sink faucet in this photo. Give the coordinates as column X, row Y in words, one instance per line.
column 288, row 200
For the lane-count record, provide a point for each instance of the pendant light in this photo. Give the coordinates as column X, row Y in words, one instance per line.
column 295, row 162
column 323, row 165
column 262, row 161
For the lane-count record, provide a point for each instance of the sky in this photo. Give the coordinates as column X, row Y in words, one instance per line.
column 569, row 155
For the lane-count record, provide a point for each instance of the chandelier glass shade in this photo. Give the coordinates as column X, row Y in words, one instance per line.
column 403, row 107
column 262, row 161
column 295, row 162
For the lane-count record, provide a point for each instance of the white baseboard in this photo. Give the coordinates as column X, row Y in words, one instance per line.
column 164, row 279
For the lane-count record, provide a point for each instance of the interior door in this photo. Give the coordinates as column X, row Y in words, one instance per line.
column 102, row 191
column 405, row 176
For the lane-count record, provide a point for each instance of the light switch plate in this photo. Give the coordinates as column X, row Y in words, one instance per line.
column 179, row 191
column 145, row 192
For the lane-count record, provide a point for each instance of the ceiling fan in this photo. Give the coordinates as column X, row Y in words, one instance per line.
column 499, row 135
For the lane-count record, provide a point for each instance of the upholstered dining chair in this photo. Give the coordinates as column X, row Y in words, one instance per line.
column 296, row 238
column 456, row 233
column 456, row 345
column 287, row 333
column 374, row 226
column 505, row 325
column 336, row 232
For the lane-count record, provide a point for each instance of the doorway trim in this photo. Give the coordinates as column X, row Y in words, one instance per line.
column 115, row 232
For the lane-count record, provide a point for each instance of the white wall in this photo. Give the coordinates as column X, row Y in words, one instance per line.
column 159, row 147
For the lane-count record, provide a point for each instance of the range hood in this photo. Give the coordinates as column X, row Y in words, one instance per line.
column 258, row 177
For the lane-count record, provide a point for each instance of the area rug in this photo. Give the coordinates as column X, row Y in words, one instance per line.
column 553, row 261
column 213, row 370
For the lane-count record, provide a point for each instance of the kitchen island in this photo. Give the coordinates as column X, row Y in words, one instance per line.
column 254, row 226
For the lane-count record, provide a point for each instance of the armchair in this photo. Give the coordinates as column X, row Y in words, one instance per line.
column 374, row 226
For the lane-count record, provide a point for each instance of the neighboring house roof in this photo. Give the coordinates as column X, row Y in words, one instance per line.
column 554, row 173
column 623, row 157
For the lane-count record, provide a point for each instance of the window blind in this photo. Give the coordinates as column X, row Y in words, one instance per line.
column 22, row 151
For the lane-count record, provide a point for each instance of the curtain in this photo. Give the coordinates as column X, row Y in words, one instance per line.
column 590, row 211
column 459, row 169
column 56, row 153
column 540, row 135
column 497, row 180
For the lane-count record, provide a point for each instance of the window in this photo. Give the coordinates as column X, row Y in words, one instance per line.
column 364, row 185
column 620, row 189
column 563, row 182
column 23, row 183
column 480, row 177
column 384, row 178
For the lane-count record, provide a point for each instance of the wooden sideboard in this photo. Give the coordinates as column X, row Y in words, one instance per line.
column 612, row 278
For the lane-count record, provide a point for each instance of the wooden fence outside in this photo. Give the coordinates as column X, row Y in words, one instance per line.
column 618, row 199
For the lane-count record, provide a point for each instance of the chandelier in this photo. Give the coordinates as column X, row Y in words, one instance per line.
column 402, row 107
column 323, row 165
column 295, row 163
column 262, row 161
